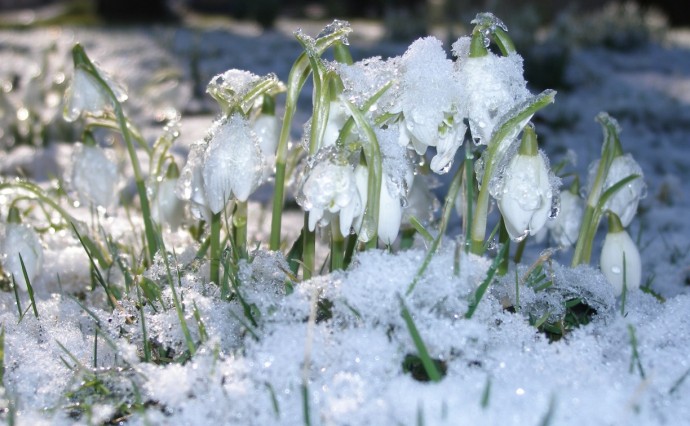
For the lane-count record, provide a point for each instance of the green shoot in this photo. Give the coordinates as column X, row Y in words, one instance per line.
column 429, row 366
column 486, row 393
column 635, row 361
column 96, row 270
column 29, row 288
column 476, row 297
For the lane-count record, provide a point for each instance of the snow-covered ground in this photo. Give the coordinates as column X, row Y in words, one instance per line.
column 81, row 362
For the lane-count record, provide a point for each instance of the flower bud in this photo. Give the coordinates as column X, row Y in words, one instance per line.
column 21, row 239
column 620, row 259
column 93, row 176
column 526, row 197
column 565, row 227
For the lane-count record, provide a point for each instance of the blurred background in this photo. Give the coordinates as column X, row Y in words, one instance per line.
column 412, row 14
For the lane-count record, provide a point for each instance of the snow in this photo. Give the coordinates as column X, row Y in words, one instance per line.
column 629, row 365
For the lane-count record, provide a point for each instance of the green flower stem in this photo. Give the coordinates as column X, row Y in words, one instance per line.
column 504, row 240
column 469, row 194
column 214, row 275
column 82, row 61
column 337, row 245
column 239, row 228
column 592, row 216
column 308, row 250
column 296, row 79
column 514, row 121
column 372, row 154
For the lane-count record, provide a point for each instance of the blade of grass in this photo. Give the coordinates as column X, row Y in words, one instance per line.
column 97, row 271
column 479, row 292
column 427, row 362
column 29, row 287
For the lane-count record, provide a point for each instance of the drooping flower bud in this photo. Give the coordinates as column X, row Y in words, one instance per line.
column 233, row 164
column 21, row 240
column 329, row 187
column 526, row 196
column 620, row 259
column 565, row 227
column 625, row 201
column 93, row 176
column 167, row 208
column 86, row 94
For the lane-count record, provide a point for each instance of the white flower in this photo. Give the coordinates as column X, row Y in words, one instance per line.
column 267, row 130
column 620, row 260
column 625, row 201
column 93, row 176
column 565, row 227
column 233, row 164
column 21, row 239
column 190, row 185
column 337, row 116
column 330, row 187
column 492, row 85
column 390, row 206
column 167, row 208
column 86, row 95
column 525, row 201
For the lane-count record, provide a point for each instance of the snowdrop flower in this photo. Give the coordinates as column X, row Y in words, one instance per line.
column 429, row 96
column 565, row 227
column 620, row 259
column 166, row 207
column 86, row 94
column 330, row 187
column 93, row 176
column 526, row 196
column 337, row 116
column 267, row 130
column 625, row 201
column 390, row 205
column 492, row 86
column 233, row 163
column 21, row 239
column 190, row 184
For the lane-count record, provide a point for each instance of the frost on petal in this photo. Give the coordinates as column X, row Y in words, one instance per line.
column 93, row 176
column 492, row 85
column 429, row 89
column 233, row 164
column 526, row 196
column 21, row 239
column 620, row 262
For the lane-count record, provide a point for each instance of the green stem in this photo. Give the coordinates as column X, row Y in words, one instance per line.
column 239, row 228
column 512, row 123
column 298, row 76
column 214, row 275
column 308, row 249
column 337, row 245
column 82, row 60
column 504, row 240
